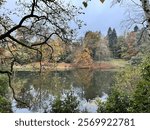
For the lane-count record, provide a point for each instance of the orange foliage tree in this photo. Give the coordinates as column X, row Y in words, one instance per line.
column 83, row 58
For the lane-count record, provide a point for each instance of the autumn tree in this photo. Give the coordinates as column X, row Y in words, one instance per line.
column 59, row 49
column 91, row 40
column 40, row 20
column 140, row 47
column 83, row 58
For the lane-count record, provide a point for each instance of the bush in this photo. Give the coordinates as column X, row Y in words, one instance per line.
column 135, row 60
column 5, row 105
column 69, row 104
column 141, row 98
column 126, row 80
column 137, row 100
column 3, row 86
column 145, row 68
column 117, row 102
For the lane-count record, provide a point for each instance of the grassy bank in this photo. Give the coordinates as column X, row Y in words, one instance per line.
column 112, row 64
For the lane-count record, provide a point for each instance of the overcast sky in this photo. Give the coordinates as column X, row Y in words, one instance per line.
column 98, row 16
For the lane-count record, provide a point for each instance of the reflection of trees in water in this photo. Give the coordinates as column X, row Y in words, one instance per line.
column 83, row 77
column 26, row 91
column 101, row 82
column 36, row 97
column 93, row 82
column 39, row 89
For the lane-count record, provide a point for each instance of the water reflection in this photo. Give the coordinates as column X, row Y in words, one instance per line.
column 39, row 90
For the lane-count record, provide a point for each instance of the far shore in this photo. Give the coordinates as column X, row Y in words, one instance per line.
column 113, row 64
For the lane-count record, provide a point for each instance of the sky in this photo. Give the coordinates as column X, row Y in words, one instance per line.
column 98, row 16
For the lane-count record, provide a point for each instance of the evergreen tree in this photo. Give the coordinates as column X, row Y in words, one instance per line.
column 114, row 47
column 109, row 36
column 112, row 40
column 114, row 37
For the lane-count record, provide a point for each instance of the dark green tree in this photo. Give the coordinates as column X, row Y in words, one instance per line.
column 141, row 97
column 114, row 37
column 109, row 36
column 112, row 40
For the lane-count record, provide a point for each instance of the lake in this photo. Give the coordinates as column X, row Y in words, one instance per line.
column 40, row 89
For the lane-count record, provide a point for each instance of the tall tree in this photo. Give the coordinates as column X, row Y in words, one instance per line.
column 114, row 36
column 109, row 36
column 112, row 40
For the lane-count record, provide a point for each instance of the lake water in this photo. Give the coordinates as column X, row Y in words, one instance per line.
column 40, row 89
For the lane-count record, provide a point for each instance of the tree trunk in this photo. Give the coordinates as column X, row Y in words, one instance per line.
column 146, row 8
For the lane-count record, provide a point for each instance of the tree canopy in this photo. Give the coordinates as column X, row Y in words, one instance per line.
column 39, row 21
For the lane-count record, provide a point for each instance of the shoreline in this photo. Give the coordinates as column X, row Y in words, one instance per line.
column 45, row 66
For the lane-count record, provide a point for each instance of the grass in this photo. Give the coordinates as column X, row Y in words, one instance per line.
column 117, row 63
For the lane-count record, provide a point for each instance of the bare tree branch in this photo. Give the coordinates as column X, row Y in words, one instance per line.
column 41, row 20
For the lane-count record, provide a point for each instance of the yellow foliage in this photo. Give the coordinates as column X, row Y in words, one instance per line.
column 83, row 58
column 55, row 51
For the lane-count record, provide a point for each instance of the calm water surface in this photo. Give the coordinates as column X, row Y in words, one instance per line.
column 39, row 90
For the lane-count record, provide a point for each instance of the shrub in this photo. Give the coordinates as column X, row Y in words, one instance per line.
column 135, row 60
column 3, row 86
column 117, row 102
column 127, row 79
column 145, row 68
column 141, row 97
column 137, row 100
column 5, row 105
column 69, row 104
